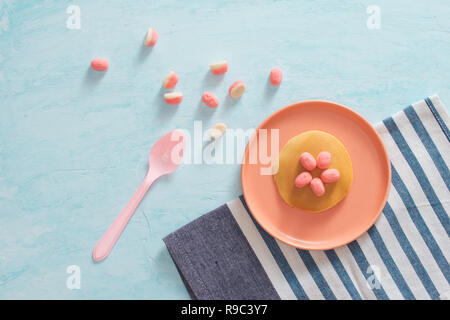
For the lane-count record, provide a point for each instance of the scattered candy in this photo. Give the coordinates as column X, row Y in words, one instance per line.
column 323, row 160
column 217, row 130
column 173, row 97
column 317, row 187
column 219, row 67
column 276, row 75
column 150, row 37
column 330, row 175
column 303, row 179
column 210, row 99
column 171, row 80
column 100, row 64
column 237, row 89
column 307, row 161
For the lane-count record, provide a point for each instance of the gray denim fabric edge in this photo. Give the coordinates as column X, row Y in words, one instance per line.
column 215, row 260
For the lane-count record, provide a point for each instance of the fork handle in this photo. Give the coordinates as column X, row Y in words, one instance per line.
column 107, row 241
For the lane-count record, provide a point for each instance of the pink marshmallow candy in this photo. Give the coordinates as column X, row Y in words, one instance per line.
column 317, row 187
column 323, row 160
column 173, row 97
column 171, row 80
column 307, row 161
column 210, row 99
column 330, row 175
column 150, row 37
column 276, row 75
column 303, row 179
column 100, row 64
column 219, row 67
column 237, row 89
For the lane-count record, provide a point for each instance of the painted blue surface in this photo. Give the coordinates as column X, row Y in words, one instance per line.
column 73, row 143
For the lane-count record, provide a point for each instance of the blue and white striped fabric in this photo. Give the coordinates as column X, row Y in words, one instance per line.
column 226, row 254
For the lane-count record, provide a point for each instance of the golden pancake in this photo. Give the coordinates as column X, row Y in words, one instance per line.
column 289, row 168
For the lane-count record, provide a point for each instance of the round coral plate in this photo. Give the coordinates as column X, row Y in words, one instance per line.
column 351, row 217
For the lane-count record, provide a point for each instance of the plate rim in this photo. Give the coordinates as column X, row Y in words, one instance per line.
column 385, row 154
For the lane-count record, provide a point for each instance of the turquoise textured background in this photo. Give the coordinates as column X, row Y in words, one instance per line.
column 74, row 143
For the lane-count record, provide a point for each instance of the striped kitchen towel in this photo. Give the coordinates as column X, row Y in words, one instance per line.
column 225, row 254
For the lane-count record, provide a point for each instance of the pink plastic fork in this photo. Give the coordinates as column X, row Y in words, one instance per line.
column 164, row 158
